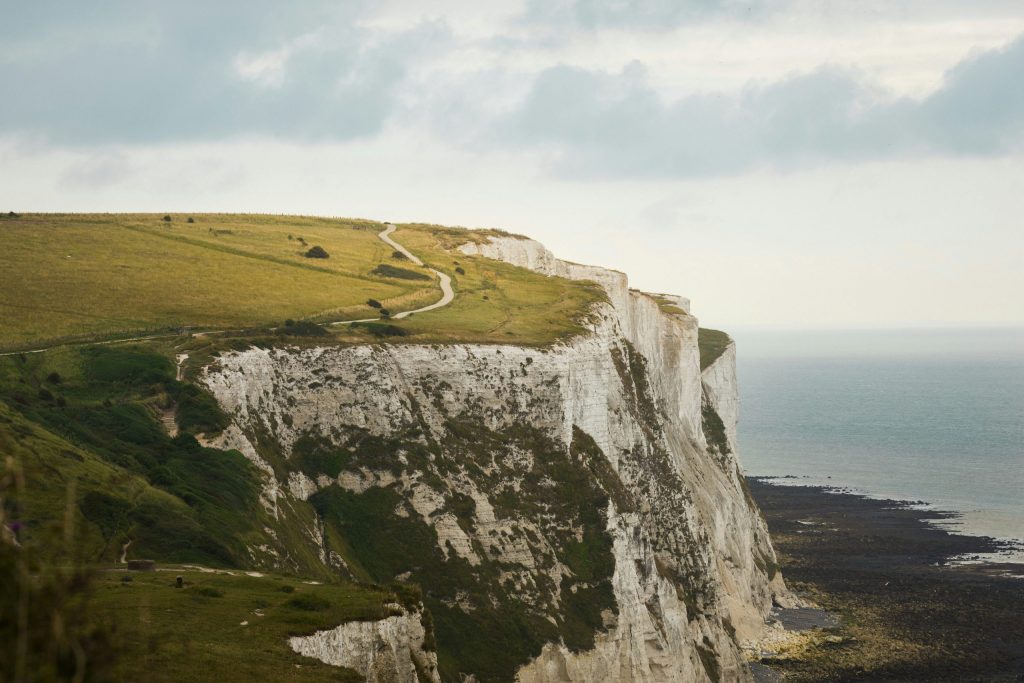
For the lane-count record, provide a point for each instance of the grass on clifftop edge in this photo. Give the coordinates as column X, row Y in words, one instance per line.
column 69, row 278
column 713, row 344
column 223, row 627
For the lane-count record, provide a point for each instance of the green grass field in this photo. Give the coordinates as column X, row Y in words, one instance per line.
column 223, row 627
column 494, row 302
column 67, row 277
column 93, row 277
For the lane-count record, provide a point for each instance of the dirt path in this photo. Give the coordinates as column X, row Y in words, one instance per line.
column 124, row 552
column 447, row 292
column 447, row 296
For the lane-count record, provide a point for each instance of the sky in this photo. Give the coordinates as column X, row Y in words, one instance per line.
column 785, row 164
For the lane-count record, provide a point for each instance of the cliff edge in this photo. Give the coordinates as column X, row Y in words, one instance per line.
column 573, row 512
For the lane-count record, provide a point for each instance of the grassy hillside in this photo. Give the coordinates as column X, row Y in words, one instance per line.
column 88, row 277
column 495, row 302
column 93, row 276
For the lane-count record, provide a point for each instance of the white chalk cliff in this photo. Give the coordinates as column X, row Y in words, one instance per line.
column 691, row 571
column 386, row 651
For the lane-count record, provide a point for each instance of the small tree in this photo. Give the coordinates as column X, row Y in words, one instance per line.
column 167, row 219
column 191, row 220
column 317, row 252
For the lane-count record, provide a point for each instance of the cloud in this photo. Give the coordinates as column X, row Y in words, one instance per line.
column 597, row 124
column 642, row 14
column 150, row 71
column 668, row 15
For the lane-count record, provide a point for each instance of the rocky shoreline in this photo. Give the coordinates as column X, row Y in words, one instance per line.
column 907, row 612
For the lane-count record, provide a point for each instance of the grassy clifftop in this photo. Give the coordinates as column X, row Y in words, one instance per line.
column 713, row 344
column 90, row 277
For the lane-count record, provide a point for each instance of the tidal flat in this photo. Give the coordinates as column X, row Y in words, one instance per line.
column 911, row 608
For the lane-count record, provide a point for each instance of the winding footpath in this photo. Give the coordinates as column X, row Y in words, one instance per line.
column 445, row 281
column 447, row 293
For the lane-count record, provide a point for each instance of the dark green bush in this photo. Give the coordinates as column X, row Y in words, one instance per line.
column 309, row 603
column 302, row 328
column 317, row 252
column 385, row 270
column 373, row 303
column 383, row 329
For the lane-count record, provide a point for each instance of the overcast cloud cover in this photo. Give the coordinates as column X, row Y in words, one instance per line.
column 728, row 133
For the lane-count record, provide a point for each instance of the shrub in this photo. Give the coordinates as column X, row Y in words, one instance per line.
column 309, row 603
column 383, row 329
column 316, row 252
column 191, row 220
column 54, row 378
column 167, row 219
column 302, row 328
column 385, row 313
column 45, row 394
column 399, row 255
column 386, row 270
column 287, row 589
column 459, row 270
column 373, row 303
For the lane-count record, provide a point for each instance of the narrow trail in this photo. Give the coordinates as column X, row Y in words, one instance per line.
column 445, row 281
column 124, row 552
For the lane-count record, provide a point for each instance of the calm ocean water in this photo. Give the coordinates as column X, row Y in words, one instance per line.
column 933, row 415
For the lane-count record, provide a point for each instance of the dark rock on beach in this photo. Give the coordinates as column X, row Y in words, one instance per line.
column 907, row 611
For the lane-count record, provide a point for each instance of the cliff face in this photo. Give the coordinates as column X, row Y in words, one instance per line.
column 564, row 509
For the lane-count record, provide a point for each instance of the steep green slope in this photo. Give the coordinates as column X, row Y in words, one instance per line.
column 713, row 344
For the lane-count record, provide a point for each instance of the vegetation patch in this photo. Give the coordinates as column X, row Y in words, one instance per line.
column 712, row 344
column 386, row 270
column 714, row 429
column 302, row 328
column 175, row 499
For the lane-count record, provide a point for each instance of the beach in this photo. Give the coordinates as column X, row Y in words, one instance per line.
column 915, row 601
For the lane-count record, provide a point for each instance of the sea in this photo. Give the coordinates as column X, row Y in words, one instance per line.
column 931, row 416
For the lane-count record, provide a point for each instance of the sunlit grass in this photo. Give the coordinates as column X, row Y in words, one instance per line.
column 103, row 275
